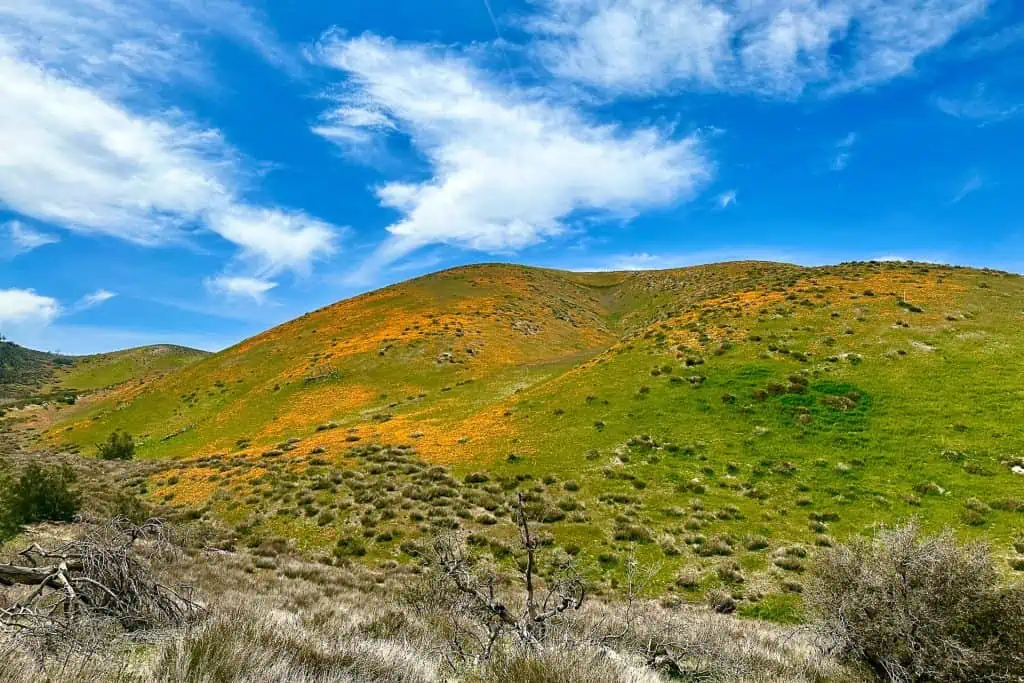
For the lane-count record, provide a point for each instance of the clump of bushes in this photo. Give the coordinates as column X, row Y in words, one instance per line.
column 119, row 446
column 920, row 608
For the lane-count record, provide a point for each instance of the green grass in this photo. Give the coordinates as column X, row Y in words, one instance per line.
column 88, row 373
column 818, row 410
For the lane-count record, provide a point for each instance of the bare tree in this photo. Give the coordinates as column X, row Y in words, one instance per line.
column 563, row 591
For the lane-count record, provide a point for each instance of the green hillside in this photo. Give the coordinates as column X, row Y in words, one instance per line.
column 101, row 371
column 727, row 418
column 24, row 371
column 26, row 374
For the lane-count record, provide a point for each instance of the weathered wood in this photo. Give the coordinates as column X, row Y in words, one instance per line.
column 33, row 576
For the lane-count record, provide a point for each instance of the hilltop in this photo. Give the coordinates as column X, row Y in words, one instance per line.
column 746, row 411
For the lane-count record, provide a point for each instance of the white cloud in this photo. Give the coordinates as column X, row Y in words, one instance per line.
column 273, row 239
column 776, row 47
column 241, row 287
column 76, row 155
column 843, row 152
column 638, row 261
column 22, row 239
column 24, row 307
column 97, row 298
column 727, row 199
column 508, row 167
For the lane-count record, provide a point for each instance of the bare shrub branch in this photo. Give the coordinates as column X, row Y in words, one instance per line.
column 476, row 586
column 101, row 574
column 920, row 608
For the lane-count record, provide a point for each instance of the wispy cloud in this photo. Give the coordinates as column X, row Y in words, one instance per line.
column 843, row 151
column 773, row 47
column 979, row 105
column 1002, row 39
column 510, row 168
column 97, row 298
column 727, row 199
column 22, row 239
column 82, row 152
column 970, row 186
column 115, row 45
column 241, row 287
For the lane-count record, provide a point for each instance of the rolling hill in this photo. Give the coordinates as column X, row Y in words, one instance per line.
column 738, row 413
column 25, row 373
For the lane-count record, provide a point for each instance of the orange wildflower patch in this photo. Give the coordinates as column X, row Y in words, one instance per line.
column 316, row 406
column 436, row 440
column 193, row 486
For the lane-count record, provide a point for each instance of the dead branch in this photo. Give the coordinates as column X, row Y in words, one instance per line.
column 101, row 574
column 564, row 592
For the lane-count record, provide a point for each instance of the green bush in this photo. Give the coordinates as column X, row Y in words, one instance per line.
column 119, row 446
column 38, row 495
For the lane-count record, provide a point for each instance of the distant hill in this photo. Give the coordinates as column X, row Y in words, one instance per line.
column 88, row 373
column 25, row 372
column 700, row 408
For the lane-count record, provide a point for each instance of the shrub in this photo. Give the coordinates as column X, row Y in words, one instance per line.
column 718, row 545
column 119, row 446
column 920, row 608
column 757, row 542
column 38, row 495
column 129, row 506
column 730, row 573
column 688, row 578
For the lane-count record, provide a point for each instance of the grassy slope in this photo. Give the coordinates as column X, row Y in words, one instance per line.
column 909, row 408
column 502, row 328
column 23, row 371
column 101, row 371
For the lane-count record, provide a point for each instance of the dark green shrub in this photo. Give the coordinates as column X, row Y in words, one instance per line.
column 119, row 446
column 39, row 494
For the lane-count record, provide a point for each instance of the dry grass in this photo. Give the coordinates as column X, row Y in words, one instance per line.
column 313, row 623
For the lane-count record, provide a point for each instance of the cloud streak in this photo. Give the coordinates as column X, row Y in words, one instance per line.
column 97, row 298
column 843, row 152
column 234, row 287
column 22, row 239
column 970, row 186
column 979, row 106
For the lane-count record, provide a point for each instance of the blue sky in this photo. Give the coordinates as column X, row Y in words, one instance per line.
column 195, row 171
